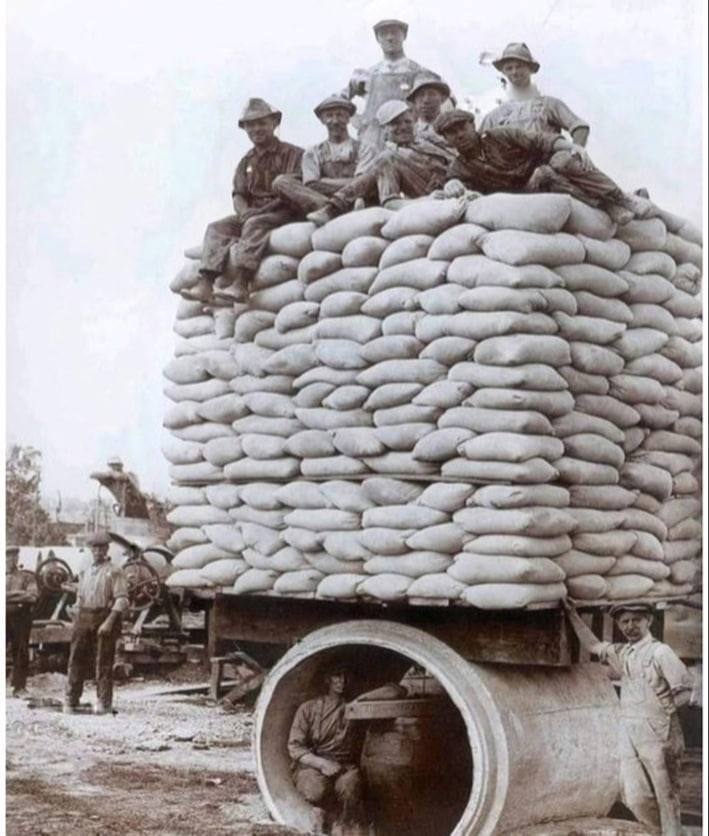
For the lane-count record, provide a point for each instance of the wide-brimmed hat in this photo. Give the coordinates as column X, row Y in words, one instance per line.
column 429, row 80
column 445, row 120
column 98, row 538
column 518, row 51
column 332, row 102
column 381, row 24
column 616, row 610
column 390, row 110
column 258, row 109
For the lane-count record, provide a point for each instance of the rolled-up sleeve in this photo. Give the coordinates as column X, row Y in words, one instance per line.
column 299, row 736
column 610, row 654
column 119, row 592
column 564, row 117
column 674, row 670
column 239, row 184
column 311, row 165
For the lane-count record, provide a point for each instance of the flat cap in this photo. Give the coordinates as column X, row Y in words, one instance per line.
column 258, row 109
column 616, row 610
column 332, row 102
column 518, row 51
column 382, row 24
column 452, row 117
column 429, row 80
column 389, row 111
column 98, row 538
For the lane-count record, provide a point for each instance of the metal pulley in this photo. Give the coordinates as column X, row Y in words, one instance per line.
column 143, row 584
column 52, row 573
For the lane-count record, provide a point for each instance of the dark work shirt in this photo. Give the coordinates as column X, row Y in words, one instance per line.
column 320, row 727
column 256, row 171
column 504, row 160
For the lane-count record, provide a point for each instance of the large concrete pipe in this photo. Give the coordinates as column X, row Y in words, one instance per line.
column 542, row 740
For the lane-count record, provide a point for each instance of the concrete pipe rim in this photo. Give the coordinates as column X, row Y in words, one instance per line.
column 467, row 691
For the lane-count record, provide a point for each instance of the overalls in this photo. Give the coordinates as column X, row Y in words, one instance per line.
column 651, row 748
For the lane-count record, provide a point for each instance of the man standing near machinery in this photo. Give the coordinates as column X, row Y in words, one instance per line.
column 322, row 747
column 391, row 78
column 20, row 597
column 654, row 684
column 102, row 598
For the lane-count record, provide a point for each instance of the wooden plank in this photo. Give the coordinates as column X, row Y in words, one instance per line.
column 391, row 709
column 540, row 637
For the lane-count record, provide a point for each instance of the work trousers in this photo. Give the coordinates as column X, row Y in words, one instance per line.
column 304, row 198
column 91, row 654
column 578, row 177
column 345, row 789
column 650, row 774
column 392, row 175
column 250, row 240
column 18, row 625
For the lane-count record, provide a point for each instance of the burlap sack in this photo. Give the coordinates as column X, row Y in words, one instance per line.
column 292, row 239
column 336, row 234
column 473, row 569
column 527, row 376
column 515, row 247
column 443, row 299
column 535, row 521
column 389, row 301
column 573, row 471
column 588, row 221
column 509, row 596
column 594, row 279
column 357, row 279
column 523, row 348
column 181, row 538
column 392, row 394
column 544, row 213
column 478, row 271
column 511, row 447
column 580, row 383
column 516, row 496
column 363, row 252
column 445, row 496
column 460, row 239
column 424, row 217
column 403, row 322
column 587, row 587
column 404, row 249
column 575, row 563
column 613, row 254
column 449, row 350
column 518, row 545
column 494, row 420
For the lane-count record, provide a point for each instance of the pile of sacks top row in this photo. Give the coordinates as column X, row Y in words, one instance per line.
column 495, row 403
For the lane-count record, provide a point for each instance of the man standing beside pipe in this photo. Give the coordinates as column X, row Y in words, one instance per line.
column 321, row 745
column 654, row 684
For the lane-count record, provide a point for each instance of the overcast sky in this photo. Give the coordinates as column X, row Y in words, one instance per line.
column 122, row 138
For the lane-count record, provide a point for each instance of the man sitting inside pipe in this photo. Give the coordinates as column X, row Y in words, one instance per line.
column 526, row 108
column 511, row 160
column 326, row 167
column 322, row 747
column 258, row 209
column 427, row 97
column 406, row 168
column 654, row 684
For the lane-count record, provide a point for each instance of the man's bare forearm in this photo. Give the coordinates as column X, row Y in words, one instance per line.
column 585, row 635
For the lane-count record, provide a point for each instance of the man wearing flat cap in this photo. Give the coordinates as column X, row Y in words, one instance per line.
column 513, row 160
column 258, row 209
column 526, row 108
column 406, row 168
column 20, row 597
column 322, row 745
column 102, row 598
column 654, row 684
column 427, row 97
column 325, row 167
column 391, row 78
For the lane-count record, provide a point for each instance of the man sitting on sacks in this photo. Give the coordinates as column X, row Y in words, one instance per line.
column 654, row 684
column 526, row 108
column 428, row 96
column 391, row 78
column 322, row 747
column 512, row 160
column 406, row 168
column 258, row 209
column 326, row 167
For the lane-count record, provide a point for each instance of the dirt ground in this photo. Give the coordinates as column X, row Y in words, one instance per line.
column 160, row 765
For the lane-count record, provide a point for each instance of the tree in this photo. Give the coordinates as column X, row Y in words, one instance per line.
column 27, row 523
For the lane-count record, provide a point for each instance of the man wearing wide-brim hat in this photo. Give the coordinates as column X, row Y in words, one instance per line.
column 391, row 78
column 102, row 599
column 20, row 597
column 233, row 246
column 526, row 108
column 406, row 169
column 327, row 166
column 427, row 98
column 654, row 684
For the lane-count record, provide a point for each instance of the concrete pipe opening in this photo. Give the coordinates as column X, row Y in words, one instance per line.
column 515, row 745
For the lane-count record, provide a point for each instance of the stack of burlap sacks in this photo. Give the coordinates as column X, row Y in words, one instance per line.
column 492, row 403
